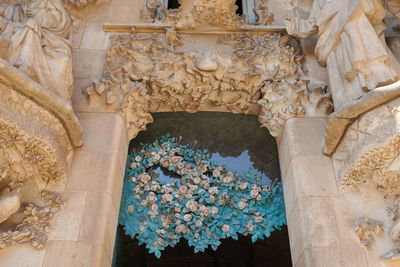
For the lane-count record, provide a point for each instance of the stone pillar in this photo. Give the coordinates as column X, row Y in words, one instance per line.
column 310, row 191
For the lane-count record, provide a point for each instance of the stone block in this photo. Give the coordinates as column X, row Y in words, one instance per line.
column 88, row 63
column 332, row 257
column 77, row 35
column 100, row 13
column 102, row 131
column 73, row 254
column 124, row 13
column 66, row 224
column 79, row 100
column 312, row 224
column 94, row 37
column 21, row 256
column 95, row 171
column 308, row 176
column 301, row 137
column 99, row 223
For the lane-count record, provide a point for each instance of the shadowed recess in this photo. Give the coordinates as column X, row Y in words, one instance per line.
column 237, row 141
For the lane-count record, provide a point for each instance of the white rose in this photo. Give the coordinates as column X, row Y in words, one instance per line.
column 187, row 217
column 225, row 228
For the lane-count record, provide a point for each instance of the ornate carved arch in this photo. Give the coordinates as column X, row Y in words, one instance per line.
column 257, row 73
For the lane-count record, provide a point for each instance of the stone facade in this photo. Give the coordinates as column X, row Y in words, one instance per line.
column 80, row 79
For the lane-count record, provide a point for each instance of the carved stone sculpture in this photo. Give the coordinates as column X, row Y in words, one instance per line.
column 367, row 230
column 194, row 14
column 367, row 162
column 148, row 73
column 350, row 44
column 38, row 128
column 394, row 7
column 44, row 57
column 263, row 16
column 288, row 99
column 153, row 11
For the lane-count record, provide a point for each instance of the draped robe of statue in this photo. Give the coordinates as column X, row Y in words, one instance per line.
column 33, row 38
column 394, row 7
column 350, row 44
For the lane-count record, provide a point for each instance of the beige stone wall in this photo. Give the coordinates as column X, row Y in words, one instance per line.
column 83, row 233
column 319, row 215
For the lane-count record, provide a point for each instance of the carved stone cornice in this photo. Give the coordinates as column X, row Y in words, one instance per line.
column 163, row 28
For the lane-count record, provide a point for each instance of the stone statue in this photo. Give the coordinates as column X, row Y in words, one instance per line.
column 394, row 7
column 38, row 128
column 34, row 38
column 350, row 44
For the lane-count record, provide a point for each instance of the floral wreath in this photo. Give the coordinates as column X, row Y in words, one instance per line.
column 210, row 203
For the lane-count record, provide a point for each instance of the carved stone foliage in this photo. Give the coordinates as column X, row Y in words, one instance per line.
column 34, row 153
column 35, row 225
column 368, row 161
column 193, row 14
column 32, row 141
column 152, row 72
column 288, row 99
column 38, row 128
column 367, row 230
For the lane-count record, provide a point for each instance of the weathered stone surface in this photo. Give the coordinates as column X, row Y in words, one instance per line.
column 308, row 176
column 301, row 137
column 70, row 253
column 312, row 224
column 332, row 257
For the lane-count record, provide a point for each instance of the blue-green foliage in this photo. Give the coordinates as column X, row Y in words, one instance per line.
column 209, row 204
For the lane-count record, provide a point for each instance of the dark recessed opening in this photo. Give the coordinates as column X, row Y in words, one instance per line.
column 236, row 141
column 239, row 11
column 173, row 4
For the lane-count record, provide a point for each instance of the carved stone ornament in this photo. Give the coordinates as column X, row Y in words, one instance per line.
column 263, row 15
column 352, row 47
column 193, row 14
column 148, row 73
column 288, row 99
column 368, row 161
column 367, row 230
column 36, row 144
column 203, row 14
column 38, row 128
